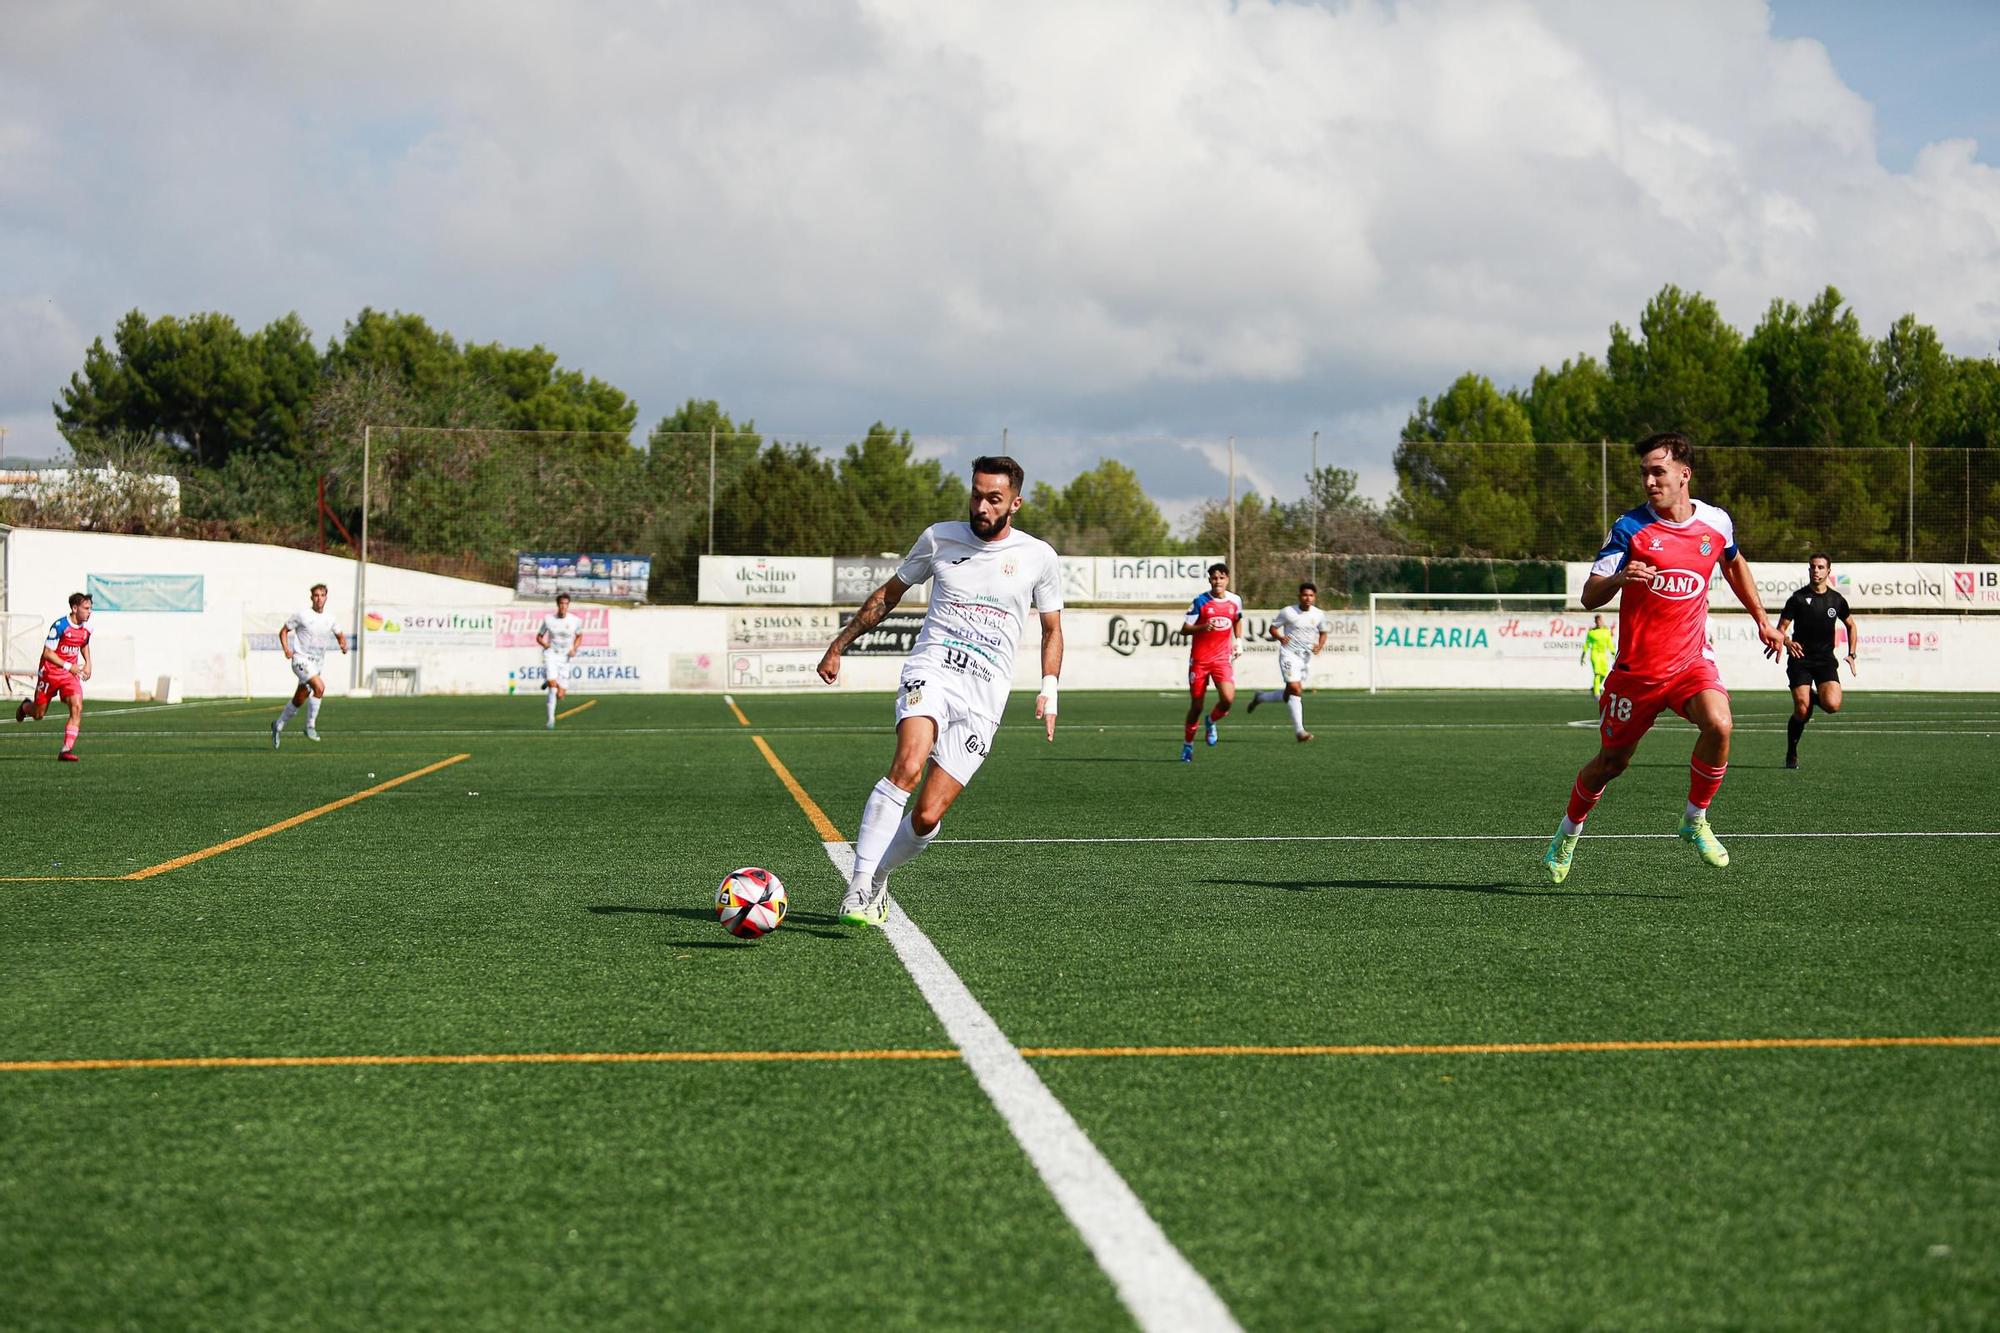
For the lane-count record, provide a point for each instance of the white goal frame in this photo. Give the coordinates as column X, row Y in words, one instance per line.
column 1558, row 601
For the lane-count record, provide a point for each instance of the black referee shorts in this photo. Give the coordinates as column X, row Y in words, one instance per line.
column 1811, row 670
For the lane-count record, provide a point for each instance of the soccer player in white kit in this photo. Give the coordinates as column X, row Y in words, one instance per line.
column 560, row 636
column 303, row 639
column 1301, row 634
column 986, row 577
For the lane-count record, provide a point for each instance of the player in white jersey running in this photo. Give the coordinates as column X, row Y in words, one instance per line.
column 1301, row 634
column 986, row 577
column 560, row 636
column 303, row 639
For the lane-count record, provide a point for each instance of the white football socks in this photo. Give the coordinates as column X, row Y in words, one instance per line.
column 291, row 711
column 1296, row 705
column 312, row 713
column 879, row 818
column 907, row 845
column 552, row 704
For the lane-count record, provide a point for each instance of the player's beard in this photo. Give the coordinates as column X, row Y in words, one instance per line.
column 986, row 531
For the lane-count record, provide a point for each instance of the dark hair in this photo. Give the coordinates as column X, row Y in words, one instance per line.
column 1218, row 566
column 562, row 597
column 1678, row 446
column 317, row 587
column 76, row 597
column 999, row 465
column 1820, row 555
column 1309, row 587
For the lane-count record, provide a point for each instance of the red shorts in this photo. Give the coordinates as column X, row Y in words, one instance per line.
column 1200, row 673
column 51, row 684
column 1631, row 703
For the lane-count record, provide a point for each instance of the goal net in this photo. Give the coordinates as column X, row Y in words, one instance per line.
column 21, row 637
column 1475, row 641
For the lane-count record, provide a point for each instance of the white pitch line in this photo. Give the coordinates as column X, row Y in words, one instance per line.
column 1160, row 1288
column 1434, row 837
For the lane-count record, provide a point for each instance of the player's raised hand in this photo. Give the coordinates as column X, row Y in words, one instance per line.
column 829, row 665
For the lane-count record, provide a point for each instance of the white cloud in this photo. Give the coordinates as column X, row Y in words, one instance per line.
column 1130, row 221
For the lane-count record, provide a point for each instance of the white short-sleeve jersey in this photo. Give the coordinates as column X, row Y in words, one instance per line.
column 312, row 632
column 1302, row 628
column 562, row 631
column 981, row 594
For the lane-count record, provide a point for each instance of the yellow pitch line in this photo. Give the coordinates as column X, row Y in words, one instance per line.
column 1518, row 1047
column 1036, row 1052
column 821, row 824
column 734, row 709
column 572, row 712
column 494, row 1058
column 283, row 824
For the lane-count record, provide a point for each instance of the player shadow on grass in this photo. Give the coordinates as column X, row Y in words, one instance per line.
column 1496, row 887
column 805, row 923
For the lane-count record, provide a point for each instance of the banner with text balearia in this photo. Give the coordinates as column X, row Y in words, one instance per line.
column 766, row 580
column 1867, row 586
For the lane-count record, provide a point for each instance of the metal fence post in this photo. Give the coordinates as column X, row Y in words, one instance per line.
column 361, row 572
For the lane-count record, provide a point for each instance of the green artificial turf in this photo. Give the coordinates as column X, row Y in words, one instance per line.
column 550, row 894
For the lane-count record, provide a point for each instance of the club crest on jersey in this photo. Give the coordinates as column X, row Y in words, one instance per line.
column 1010, row 566
column 1705, row 546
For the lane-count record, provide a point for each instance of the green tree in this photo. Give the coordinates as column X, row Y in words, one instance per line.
column 1103, row 511
column 194, row 382
column 1686, row 371
column 887, row 495
column 1470, row 410
column 781, row 505
column 540, row 395
column 1822, row 386
column 1570, row 404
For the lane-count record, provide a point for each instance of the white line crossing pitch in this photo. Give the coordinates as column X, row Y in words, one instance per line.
column 1160, row 1288
column 1439, row 837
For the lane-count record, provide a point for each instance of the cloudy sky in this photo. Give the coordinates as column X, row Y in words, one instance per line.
column 1109, row 227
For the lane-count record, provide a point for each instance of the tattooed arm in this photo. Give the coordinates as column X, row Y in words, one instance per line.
column 879, row 604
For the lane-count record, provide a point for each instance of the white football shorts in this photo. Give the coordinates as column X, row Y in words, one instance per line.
column 1293, row 668
column 558, row 667
column 964, row 737
column 304, row 667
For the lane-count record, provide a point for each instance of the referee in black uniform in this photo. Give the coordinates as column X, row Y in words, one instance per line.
column 1809, row 615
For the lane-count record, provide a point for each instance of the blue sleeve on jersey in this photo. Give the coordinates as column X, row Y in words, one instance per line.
column 1203, row 599
column 1619, row 541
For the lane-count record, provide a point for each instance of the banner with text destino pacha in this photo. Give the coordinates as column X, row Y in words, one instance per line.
column 1867, row 586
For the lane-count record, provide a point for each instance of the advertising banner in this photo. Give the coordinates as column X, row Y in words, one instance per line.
column 615, row 578
column 435, row 627
column 517, row 626
column 766, row 580
column 894, row 637
column 144, row 592
column 854, row 577
column 1157, row 580
column 796, row 630
column 1867, row 585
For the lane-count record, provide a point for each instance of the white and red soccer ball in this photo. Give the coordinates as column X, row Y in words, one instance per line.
column 750, row 902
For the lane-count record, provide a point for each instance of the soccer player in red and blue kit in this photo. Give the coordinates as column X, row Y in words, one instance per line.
column 65, row 666
column 1215, row 622
column 1660, row 559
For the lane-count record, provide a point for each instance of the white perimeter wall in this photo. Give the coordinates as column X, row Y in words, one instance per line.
column 466, row 637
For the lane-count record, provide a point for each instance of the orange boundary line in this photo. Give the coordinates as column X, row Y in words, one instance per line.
column 734, row 709
column 1037, row 1052
column 572, row 712
column 821, row 824
column 283, row 824
column 1518, row 1047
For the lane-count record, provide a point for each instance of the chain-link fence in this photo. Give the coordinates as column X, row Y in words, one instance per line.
column 1488, row 518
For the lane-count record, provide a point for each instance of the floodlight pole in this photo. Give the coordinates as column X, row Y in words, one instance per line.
column 711, row 490
column 1232, row 506
column 1911, row 545
column 1603, row 484
column 361, row 572
column 1312, row 541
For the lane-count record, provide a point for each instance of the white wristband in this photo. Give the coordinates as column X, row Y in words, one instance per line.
column 1049, row 686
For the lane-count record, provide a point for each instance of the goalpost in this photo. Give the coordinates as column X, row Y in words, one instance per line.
column 21, row 637
column 1474, row 640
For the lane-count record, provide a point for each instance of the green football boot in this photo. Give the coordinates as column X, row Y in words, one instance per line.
column 1562, row 847
column 1697, row 832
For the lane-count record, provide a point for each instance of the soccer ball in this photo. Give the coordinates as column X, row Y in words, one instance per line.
column 751, row 902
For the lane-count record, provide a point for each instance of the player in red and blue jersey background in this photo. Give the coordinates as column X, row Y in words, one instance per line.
column 1215, row 622
column 65, row 666
column 1660, row 559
